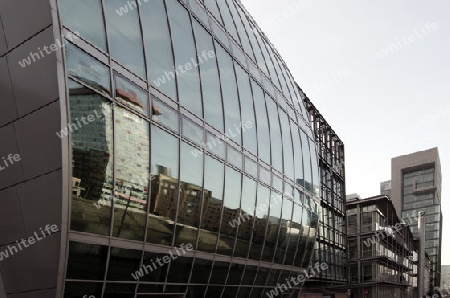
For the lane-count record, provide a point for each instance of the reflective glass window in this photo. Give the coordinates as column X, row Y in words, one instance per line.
column 213, row 197
column 228, row 20
column 190, row 205
column 85, row 17
column 315, row 167
column 125, row 39
column 251, row 167
column 220, row 34
column 250, row 33
column 304, row 238
column 257, row 49
column 87, row 69
column 295, row 233
column 211, row 5
column 234, row 157
column 285, row 230
column 268, row 60
column 92, row 161
column 235, row 276
column 247, row 111
column 165, row 115
column 188, row 79
column 120, row 290
column 298, row 156
column 247, row 214
column 122, row 262
column 179, row 270
column 273, row 226
column 132, row 151
column 231, row 211
column 201, row 271
column 261, row 214
column 153, row 271
column 230, row 96
column 288, row 154
column 215, row 144
column 86, row 261
column 306, row 161
column 158, row 47
column 264, row 175
column 78, row 289
column 275, row 135
column 192, row 131
column 219, row 273
column 199, row 12
column 131, row 95
column 245, row 42
column 260, row 280
column 248, row 278
column 209, row 73
column 262, row 123
column 164, row 187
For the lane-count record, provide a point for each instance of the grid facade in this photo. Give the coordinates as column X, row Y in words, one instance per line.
column 331, row 237
column 199, row 138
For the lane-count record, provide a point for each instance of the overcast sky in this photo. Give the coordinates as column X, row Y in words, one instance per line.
column 378, row 71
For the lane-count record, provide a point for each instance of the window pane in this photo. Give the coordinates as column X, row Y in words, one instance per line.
column 247, row 111
column 86, row 261
column 298, row 157
column 210, row 78
column 213, row 196
column 228, row 20
column 211, row 5
column 275, row 135
column 273, row 225
column 165, row 115
column 164, row 194
column 86, row 17
column 122, row 262
column 78, row 289
column 288, row 154
column 295, row 231
column 158, row 47
column 229, row 93
column 157, row 274
column 124, row 35
column 87, row 69
column 92, row 161
column 306, row 161
column 189, row 209
column 231, row 205
column 285, row 229
column 261, row 213
column 262, row 123
column 240, row 28
column 315, row 167
column 185, row 58
column 131, row 95
column 132, row 152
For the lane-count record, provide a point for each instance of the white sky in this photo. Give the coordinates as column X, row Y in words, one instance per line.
column 379, row 107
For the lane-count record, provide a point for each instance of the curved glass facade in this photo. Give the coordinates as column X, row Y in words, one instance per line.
column 184, row 134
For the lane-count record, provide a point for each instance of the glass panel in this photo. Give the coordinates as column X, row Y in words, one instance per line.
column 201, row 271
column 78, row 289
column 131, row 95
column 220, row 34
column 158, row 47
column 199, row 12
column 307, row 161
column 251, row 167
column 210, row 78
column 234, row 157
column 86, row 261
column 285, row 231
column 185, row 58
column 261, row 213
column 298, row 157
column 163, row 205
column 262, row 123
column 234, row 277
column 165, row 115
column 229, row 94
column 192, row 131
column 191, row 176
column 228, row 20
column 122, row 262
column 288, row 154
column 125, row 39
column 273, row 226
column 213, row 196
column 132, row 174
column 87, row 69
column 247, row 111
column 180, row 269
column 85, row 17
column 211, row 5
column 315, row 167
column 275, row 135
column 246, row 216
column 215, row 145
column 295, row 232
column 245, row 42
column 153, row 272
column 257, row 48
column 92, row 161
column 256, row 51
column 231, row 212
column 119, row 290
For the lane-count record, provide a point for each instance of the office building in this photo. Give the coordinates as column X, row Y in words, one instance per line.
column 164, row 145
column 382, row 256
column 416, row 186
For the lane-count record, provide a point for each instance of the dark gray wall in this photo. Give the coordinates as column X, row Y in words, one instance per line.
column 30, row 116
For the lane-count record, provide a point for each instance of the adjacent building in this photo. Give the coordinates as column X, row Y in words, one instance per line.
column 382, row 255
column 331, row 244
column 416, row 186
column 144, row 128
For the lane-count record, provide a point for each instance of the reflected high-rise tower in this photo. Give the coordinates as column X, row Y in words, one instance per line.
column 145, row 127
